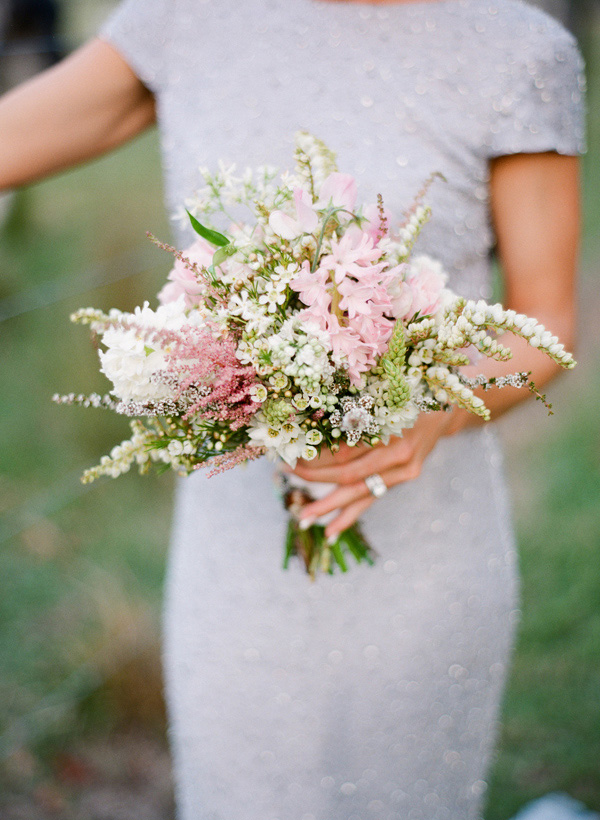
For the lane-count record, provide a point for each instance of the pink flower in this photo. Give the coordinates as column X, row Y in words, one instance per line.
column 306, row 220
column 317, row 315
column 402, row 301
column 349, row 350
column 351, row 255
column 199, row 360
column 374, row 332
column 312, row 287
column 170, row 292
column 183, row 280
column 355, row 297
column 360, row 361
column 426, row 280
column 372, row 227
column 338, row 190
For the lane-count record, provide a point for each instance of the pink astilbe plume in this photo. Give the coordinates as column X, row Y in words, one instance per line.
column 200, row 360
column 226, row 461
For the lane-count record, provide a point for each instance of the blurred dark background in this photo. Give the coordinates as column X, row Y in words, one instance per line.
column 82, row 728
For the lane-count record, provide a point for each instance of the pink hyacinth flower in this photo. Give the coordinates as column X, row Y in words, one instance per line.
column 374, row 332
column 355, row 297
column 349, row 350
column 352, row 255
column 312, row 287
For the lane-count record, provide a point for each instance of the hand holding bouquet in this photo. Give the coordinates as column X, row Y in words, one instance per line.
column 309, row 325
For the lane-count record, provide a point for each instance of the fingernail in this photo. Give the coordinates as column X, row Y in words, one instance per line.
column 331, row 539
column 305, row 523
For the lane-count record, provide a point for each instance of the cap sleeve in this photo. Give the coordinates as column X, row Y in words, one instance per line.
column 140, row 31
column 541, row 106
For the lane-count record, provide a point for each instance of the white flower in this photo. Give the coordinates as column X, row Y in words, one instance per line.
column 279, row 381
column 394, row 423
column 258, row 393
column 259, row 324
column 245, row 352
column 240, row 304
column 287, row 441
column 300, row 402
column 133, row 357
column 130, row 364
column 314, row 437
column 175, row 448
column 286, row 273
column 273, row 296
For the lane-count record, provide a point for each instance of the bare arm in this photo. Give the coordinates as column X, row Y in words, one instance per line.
column 535, row 207
column 536, row 215
column 86, row 105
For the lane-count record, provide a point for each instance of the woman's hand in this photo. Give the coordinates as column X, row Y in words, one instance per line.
column 400, row 460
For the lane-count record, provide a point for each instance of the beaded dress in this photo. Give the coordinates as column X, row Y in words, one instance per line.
column 373, row 694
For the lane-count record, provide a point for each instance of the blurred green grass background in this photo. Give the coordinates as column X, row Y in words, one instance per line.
column 82, row 568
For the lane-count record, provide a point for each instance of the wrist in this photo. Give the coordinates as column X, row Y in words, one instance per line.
column 458, row 420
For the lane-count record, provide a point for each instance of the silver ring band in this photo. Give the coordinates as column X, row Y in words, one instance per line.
column 376, row 485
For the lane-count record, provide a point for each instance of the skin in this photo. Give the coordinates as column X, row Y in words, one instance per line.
column 85, row 106
column 92, row 102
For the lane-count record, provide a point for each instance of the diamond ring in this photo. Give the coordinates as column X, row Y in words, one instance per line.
column 376, row 485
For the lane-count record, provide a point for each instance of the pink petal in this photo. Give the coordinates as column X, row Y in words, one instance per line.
column 170, row 293
column 373, row 225
column 284, row 226
column 340, row 189
column 305, row 212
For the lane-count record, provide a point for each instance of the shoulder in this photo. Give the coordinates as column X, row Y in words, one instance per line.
column 537, row 83
column 524, row 31
column 530, row 50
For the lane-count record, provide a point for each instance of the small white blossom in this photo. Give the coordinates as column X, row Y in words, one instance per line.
column 314, row 437
column 259, row 393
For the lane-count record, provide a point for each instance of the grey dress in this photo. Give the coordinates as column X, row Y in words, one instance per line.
column 374, row 694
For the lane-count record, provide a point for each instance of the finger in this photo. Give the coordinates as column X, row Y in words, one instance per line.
column 340, row 497
column 377, row 460
column 353, row 509
column 400, row 475
column 345, row 496
column 342, row 456
column 348, row 516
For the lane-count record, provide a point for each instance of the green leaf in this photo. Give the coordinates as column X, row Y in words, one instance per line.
column 339, row 556
column 214, row 237
column 222, row 254
column 357, row 545
column 148, row 350
column 348, row 542
column 289, row 543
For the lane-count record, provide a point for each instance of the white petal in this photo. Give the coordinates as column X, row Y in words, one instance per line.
column 284, row 226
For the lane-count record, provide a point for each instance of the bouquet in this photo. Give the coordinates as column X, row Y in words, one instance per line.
column 309, row 324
